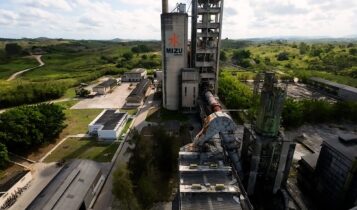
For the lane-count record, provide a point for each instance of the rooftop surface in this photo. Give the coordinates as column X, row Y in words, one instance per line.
column 311, row 159
column 140, row 88
column 221, row 201
column 206, row 177
column 207, row 182
column 334, row 84
column 136, row 71
column 347, row 149
column 110, row 119
column 68, row 189
column 107, row 83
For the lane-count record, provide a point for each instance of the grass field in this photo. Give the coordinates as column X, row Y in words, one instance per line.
column 77, row 123
column 15, row 65
column 130, row 111
column 78, row 119
column 74, row 148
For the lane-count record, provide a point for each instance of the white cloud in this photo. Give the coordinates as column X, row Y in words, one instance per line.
column 7, row 17
column 140, row 19
column 55, row 4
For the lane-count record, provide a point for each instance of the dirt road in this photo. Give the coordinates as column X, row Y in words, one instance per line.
column 40, row 62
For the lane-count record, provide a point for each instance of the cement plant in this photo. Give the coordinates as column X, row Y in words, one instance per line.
column 193, row 121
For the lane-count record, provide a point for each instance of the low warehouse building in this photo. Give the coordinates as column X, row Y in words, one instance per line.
column 343, row 92
column 105, row 86
column 75, row 187
column 137, row 96
column 108, row 124
column 331, row 176
column 135, row 75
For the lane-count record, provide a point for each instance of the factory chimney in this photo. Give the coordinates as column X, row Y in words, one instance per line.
column 165, row 6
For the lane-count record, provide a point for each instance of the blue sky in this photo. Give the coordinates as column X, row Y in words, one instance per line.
column 140, row 19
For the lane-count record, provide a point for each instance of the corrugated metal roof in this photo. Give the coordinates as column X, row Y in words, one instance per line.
column 110, row 118
column 334, row 84
column 107, row 83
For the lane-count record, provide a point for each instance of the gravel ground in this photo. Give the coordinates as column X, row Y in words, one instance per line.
column 301, row 91
column 116, row 99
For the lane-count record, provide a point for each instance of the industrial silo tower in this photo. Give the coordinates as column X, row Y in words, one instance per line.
column 174, row 30
column 206, row 40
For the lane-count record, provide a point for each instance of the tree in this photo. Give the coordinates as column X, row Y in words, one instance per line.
column 241, row 58
column 315, row 50
column 303, row 48
column 353, row 51
column 164, row 150
column 141, row 49
column 27, row 126
column 234, row 94
column 123, row 189
column 241, row 54
column 283, row 56
column 4, row 158
column 144, row 57
column 128, row 56
column 82, row 92
column 13, row 49
column 223, row 56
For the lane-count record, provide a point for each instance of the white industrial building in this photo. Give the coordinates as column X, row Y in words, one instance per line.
column 108, row 124
column 75, row 187
column 135, row 75
column 105, row 86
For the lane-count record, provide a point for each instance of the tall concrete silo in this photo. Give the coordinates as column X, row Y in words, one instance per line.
column 174, row 30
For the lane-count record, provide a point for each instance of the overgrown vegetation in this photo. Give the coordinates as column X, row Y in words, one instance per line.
column 24, row 128
column 67, row 64
column 153, row 166
column 123, row 189
column 28, row 93
column 237, row 95
column 296, row 113
column 335, row 60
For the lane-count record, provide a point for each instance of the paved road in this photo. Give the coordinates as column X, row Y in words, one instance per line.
column 41, row 63
column 105, row 199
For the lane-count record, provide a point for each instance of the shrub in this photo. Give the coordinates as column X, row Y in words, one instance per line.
column 283, row 56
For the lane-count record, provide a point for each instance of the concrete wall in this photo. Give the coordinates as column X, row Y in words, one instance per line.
column 189, row 94
column 93, row 129
column 174, row 50
column 134, row 77
column 101, row 90
column 347, row 95
column 107, row 134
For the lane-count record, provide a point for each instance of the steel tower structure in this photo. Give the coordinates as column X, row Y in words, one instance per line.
column 205, row 41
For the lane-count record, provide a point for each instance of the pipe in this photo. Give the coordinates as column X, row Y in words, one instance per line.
column 214, row 104
column 165, row 6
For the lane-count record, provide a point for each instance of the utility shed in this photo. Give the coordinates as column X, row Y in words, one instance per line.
column 344, row 92
column 75, row 187
column 105, row 86
column 108, row 124
column 336, row 172
column 135, row 75
column 137, row 96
